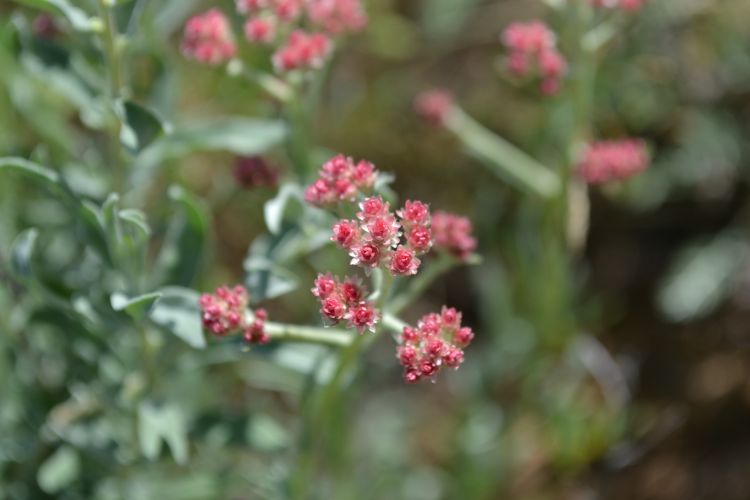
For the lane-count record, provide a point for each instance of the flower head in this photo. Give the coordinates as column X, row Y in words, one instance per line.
column 437, row 341
column 340, row 179
column 345, row 301
column 434, row 105
column 302, row 51
column 363, row 316
column 532, row 51
column 224, row 312
column 608, row 161
column 208, row 38
column 404, row 262
column 260, row 30
column 453, row 233
column 255, row 332
column 337, row 16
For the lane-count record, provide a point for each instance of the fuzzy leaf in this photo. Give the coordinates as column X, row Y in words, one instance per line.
column 273, row 210
column 701, row 278
column 162, row 423
column 59, row 471
column 22, row 254
column 185, row 244
column 242, row 136
column 142, row 126
column 177, row 311
column 136, row 307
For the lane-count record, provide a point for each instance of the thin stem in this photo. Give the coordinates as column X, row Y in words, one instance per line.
column 308, row 334
column 422, row 282
column 322, row 405
column 114, row 69
column 505, row 159
column 394, row 323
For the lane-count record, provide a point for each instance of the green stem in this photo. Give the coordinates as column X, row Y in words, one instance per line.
column 114, row 69
column 423, row 280
column 504, row 159
column 308, row 334
column 315, row 430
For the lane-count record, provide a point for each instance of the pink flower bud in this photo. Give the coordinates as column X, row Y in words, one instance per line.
column 208, row 38
column 366, row 255
column 404, row 262
column 324, row 287
column 345, row 233
column 363, row 317
column 333, row 308
column 260, row 30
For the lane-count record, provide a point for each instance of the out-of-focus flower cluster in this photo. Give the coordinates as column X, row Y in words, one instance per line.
column 208, row 38
column 224, row 312
column 453, row 233
column 345, row 300
column 341, row 180
column 278, row 23
column 437, row 341
column 434, row 105
column 625, row 5
column 532, row 52
column 608, row 161
column 255, row 171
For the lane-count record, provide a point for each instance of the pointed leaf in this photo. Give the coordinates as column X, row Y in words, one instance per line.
column 177, row 311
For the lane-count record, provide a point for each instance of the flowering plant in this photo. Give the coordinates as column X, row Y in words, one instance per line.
column 194, row 279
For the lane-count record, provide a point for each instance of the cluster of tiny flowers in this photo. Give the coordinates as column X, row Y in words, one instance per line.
column 608, row 161
column 269, row 21
column 223, row 312
column 302, row 50
column 533, row 51
column 337, row 16
column 208, row 38
column 345, row 301
column 625, row 5
column 434, row 105
column 438, row 341
column 374, row 237
column 341, row 180
column 254, row 171
column 453, row 233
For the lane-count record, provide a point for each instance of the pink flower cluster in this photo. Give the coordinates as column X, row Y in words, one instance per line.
column 374, row 237
column 607, row 161
column 453, row 233
column 223, row 312
column 434, row 105
column 208, row 38
column 533, row 51
column 337, row 16
column 345, row 301
column 438, row 341
column 341, row 180
column 267, row 19
column 302, row 51
column 625, row 5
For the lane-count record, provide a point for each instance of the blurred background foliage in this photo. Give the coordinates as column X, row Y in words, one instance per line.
column 648, row 399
